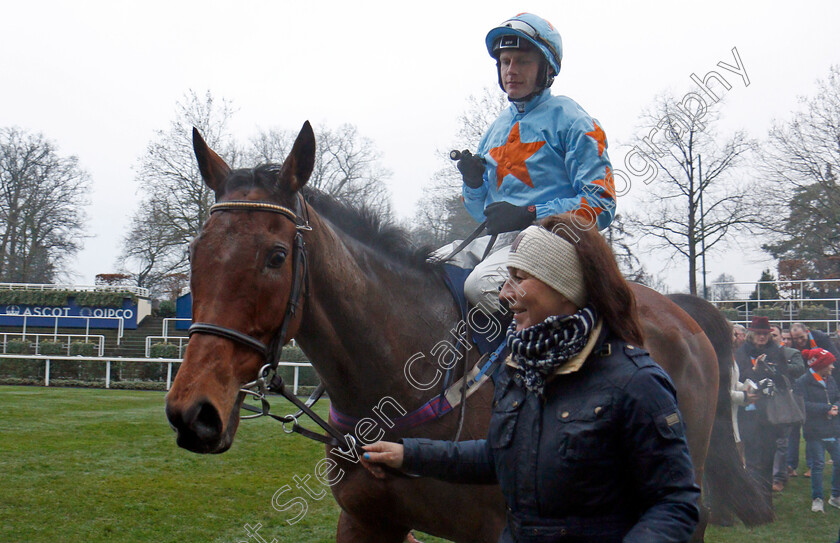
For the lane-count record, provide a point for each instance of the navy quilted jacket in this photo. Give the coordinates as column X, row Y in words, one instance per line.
column 601, row 458
column 818, row 400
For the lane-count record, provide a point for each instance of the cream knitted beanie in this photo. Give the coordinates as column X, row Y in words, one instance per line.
column 551, row 259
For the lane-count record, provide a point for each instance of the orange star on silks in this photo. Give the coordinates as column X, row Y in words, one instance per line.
column 608, row 183
column 598, row 135
column 587, row 213
column 510, row 157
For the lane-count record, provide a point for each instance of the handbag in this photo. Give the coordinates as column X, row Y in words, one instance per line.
column 785, row 407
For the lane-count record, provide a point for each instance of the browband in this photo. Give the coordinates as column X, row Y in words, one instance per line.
column 255, row 206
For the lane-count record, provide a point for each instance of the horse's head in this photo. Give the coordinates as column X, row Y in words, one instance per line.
column 241, row 280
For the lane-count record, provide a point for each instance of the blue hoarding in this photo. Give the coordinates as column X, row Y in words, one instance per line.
column 183, row 310
column 45, row 316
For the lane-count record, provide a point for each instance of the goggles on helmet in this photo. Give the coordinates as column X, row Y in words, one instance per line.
column 528, row 30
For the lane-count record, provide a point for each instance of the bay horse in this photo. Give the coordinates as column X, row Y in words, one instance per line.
column 371, row 303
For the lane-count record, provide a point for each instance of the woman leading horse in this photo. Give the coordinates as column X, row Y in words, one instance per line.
column 368, row 306
column 585, row 439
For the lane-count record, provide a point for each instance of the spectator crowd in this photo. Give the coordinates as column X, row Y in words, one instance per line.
column 770, row 361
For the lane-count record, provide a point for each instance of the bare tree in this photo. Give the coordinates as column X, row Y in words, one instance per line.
column 347, row 165
column 621, row 242
column 151, row 248
column 802, row 156
column 113, row 279
column 698, row 198
column 723, row 289
column 441, row 217
column 176, row 201
column 42, row 200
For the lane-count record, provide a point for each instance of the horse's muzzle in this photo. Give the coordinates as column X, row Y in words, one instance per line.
column 198, row 427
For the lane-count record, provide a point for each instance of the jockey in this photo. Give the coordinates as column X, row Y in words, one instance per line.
column 544, row 155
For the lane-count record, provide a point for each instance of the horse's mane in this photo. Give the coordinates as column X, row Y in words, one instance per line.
column 361, row 223
column 371, row 228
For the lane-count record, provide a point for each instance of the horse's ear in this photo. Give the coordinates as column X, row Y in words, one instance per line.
column 299, row 164
column 213, row 169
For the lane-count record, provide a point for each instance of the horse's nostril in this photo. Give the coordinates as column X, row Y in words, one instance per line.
column 207, row 423
column 176, row 421
column 196, row 426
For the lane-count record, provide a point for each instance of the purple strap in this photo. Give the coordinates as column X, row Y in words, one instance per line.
column 431, row 410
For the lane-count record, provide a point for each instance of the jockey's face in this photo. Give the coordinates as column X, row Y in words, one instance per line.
column 531, row 300
column 519, row 71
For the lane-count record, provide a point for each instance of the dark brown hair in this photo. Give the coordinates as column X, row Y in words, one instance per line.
column 607, row 289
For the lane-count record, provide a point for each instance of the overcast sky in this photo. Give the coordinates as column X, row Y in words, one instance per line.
column 98, row 78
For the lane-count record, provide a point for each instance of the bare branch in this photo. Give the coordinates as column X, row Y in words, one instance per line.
column 699, row 197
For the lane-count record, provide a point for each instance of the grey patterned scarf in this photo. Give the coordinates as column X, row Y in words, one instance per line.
column 540, row 349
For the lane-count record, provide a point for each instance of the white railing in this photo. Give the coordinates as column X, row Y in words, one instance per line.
column 166, row 321
column 182, row 340
column 790, row 306
column 69, row 337
column 781, row 286
column 789, row 297
column 108, row 361
column 137, row 291
column 821, row 325
column 120, row 322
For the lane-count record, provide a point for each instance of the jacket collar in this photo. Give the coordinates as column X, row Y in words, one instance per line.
column 523, row 108
column 596, row 338
column 595, row 342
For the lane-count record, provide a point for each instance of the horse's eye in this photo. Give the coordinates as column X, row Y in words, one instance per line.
column 276, row 258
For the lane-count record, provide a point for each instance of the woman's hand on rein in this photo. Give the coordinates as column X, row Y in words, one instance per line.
column 382, row 452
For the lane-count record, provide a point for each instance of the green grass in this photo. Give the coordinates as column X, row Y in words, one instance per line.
column 795, row 523
column 102, row 465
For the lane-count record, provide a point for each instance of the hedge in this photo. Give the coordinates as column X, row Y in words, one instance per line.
column 293, row 354
column 75, row 383
column 166, row 309
column 17, row 346
column 50, row 347
column 814, row 312
column 82, row 348
column 34, row 297
column 164, row 350
column 103, row 299
column 59, row 298
column 21, row 368
column 771, row 312
column 730, row 314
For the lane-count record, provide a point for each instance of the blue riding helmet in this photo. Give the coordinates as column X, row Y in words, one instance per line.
column 535, row 31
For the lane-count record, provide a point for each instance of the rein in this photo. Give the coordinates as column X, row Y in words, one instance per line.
column 469, row 239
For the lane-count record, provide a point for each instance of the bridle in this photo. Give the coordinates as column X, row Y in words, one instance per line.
column 271, row 352
column 268, row 380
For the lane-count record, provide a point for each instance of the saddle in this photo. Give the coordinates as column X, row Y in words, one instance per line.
column 455, row 278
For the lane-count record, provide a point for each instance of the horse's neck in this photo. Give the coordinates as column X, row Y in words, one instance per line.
column 365, row 318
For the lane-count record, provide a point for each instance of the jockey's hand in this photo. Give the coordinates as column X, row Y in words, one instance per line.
column 382, row 452
column 472, row 169
column 506, row 217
